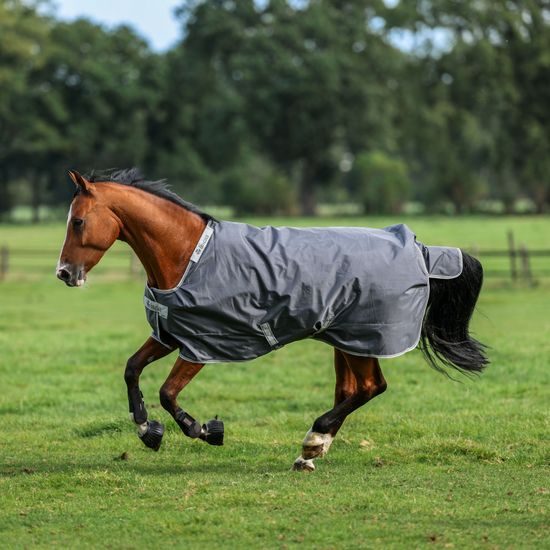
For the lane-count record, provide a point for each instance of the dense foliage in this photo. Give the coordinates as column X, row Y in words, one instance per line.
column 268, row 107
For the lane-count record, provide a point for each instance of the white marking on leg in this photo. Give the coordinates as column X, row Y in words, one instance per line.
column 316, row 439
column 142, row 428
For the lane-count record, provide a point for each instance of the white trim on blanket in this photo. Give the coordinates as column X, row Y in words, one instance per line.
column 195, row 257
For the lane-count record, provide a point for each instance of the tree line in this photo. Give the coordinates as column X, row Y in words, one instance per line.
column 274, row 106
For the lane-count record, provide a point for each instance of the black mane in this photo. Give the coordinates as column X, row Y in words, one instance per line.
column 134, row 178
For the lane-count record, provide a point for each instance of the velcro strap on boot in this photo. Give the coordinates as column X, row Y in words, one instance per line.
column 189, row 426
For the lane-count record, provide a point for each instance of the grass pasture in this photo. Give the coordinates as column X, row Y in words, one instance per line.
column 431, row 463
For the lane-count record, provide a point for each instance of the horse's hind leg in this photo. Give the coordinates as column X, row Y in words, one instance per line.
column 316, row 445
column 182, row 373
column 149, row 432
column 358, row 379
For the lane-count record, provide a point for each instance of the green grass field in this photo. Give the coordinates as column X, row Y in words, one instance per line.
column 429, row 463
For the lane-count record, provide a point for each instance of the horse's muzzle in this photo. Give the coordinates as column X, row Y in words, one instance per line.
column 74, row 278
column 64, row 275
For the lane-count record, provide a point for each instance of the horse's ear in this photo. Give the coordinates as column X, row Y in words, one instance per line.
column 80, row 181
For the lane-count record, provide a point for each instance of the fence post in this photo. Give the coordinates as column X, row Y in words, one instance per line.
column 512, row 253
column 525, row 264
column 4, row 261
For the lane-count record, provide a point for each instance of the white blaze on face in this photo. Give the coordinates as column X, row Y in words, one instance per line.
column 59, row 266
column 69, row 267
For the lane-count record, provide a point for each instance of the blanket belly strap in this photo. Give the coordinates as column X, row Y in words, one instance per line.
column 269, row 336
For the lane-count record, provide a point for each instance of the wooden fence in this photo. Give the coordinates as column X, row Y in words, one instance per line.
column 37, row 262
column 517, row 263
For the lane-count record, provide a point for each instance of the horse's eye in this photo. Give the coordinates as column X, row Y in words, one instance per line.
column 77, row 222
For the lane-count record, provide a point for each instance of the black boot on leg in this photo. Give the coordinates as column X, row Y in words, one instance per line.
column 152, row 436
column 212, row 432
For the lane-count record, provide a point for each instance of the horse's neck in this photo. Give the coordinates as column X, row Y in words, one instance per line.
column 162, row 234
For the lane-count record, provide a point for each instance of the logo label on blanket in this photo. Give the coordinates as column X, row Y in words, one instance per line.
column 203, row 241
column 156, row 307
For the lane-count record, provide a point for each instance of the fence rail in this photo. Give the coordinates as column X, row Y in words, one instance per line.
column 518, row 267
column 38, row 262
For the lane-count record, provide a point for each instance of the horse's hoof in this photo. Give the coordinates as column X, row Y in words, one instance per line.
column 213, row 432
column 152, row 438
column 303, row 465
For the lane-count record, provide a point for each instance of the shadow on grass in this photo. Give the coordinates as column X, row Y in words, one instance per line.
column 228, row 468
column 196, row 458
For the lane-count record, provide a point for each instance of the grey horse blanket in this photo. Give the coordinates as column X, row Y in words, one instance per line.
column 250, row 290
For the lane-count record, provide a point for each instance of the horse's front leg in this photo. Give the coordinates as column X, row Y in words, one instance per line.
column 150, row 432
column 182, row 373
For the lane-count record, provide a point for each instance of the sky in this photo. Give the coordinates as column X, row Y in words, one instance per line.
column 152, row 19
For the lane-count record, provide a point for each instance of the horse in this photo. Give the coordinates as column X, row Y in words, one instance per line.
column 225, row 291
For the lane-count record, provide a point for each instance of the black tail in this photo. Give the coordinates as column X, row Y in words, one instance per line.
column 445, row 340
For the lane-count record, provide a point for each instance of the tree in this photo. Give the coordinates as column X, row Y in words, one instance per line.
column 284, row 94
column 380, row 182
column 255, row 186
column 22, row 36
column 292, row 71
column 74, row 95
column 489, row 82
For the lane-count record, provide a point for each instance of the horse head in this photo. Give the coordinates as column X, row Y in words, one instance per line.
column 92, row 228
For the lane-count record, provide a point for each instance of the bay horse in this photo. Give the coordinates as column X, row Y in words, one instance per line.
column 223, row 291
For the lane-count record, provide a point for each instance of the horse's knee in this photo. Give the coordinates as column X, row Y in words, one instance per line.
column 167, row 398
